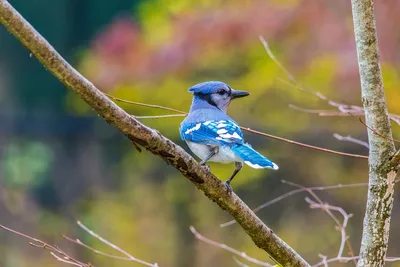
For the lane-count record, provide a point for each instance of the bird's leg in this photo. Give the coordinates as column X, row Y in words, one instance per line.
column 238, row 167
column 213, row 151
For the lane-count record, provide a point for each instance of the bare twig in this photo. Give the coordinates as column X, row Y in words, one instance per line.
column 325, row 261
column 159, row 116
column 182, row 113
column 392, row 259
column 342, row 109
column 272, row 56
column 342, row 226
column 323, row 113
column 296, row 191
column 378, row 134
column 108, row 243
column 333, row 216
column 239, row 262
column 65, row 260
column 145, row 105
column 62, row 256
column 80, row 243
column 318, row 204
column 55, row 251
column 351, row 140
column 238, row 253
column 305, row 145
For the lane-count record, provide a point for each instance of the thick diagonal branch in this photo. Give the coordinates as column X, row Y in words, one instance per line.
column 382, row 158
column 151, row 139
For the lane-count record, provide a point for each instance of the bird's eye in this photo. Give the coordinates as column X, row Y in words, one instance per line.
column 221, row 92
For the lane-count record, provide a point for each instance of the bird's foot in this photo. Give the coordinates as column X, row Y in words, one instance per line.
column 203, row 164
column 228, row 187
column 206, row 167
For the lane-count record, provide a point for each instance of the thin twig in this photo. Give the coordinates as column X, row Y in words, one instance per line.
column 341, row 226
column 159, row 116
column 243, row 255
column 376, row 133
column 108, row 243
column 239, row 262
column 324, row 262
column 272, row 56
column 182, row 113
column 144, row 105
column 351, row 140
column 326, row 113
column 56, row 252
column 296, row 191
column 65, row 260
column 323, row 257
column 305, row 145
column 336, row 259
column 392, row 259
column 343, row 108
column 62, row 256
column 79, row 242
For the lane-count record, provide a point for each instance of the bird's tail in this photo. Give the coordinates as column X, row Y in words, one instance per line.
column 253, row 158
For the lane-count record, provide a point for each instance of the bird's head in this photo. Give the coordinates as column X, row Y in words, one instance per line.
column 216, row 93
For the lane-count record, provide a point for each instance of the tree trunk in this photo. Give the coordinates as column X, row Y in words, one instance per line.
column 382, row 170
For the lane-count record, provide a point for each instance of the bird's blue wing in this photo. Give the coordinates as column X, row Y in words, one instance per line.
column 222, row 132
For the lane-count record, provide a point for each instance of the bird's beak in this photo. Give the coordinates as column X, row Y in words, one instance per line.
column 238, row 94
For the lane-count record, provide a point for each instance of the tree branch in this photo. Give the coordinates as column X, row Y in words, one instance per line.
column 149, row 138
column 382, row 170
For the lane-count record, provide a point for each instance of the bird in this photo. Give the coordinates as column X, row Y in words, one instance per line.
column 213, row 136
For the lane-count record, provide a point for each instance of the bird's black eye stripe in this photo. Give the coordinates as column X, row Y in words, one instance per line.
column 221, row 92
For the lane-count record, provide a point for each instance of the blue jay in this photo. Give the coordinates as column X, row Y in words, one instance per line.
column 212, row 135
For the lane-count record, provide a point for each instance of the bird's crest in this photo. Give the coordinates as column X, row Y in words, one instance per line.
column 207, row 87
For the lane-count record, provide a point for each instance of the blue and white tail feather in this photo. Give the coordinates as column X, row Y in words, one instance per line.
column 253, row 158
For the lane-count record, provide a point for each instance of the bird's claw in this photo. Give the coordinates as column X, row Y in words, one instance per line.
column 206, row 167
column 228, row 187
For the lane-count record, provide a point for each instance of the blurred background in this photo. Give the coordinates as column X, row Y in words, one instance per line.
column 60, row 162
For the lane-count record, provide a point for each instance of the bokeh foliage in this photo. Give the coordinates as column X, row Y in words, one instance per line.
column 62, row 163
